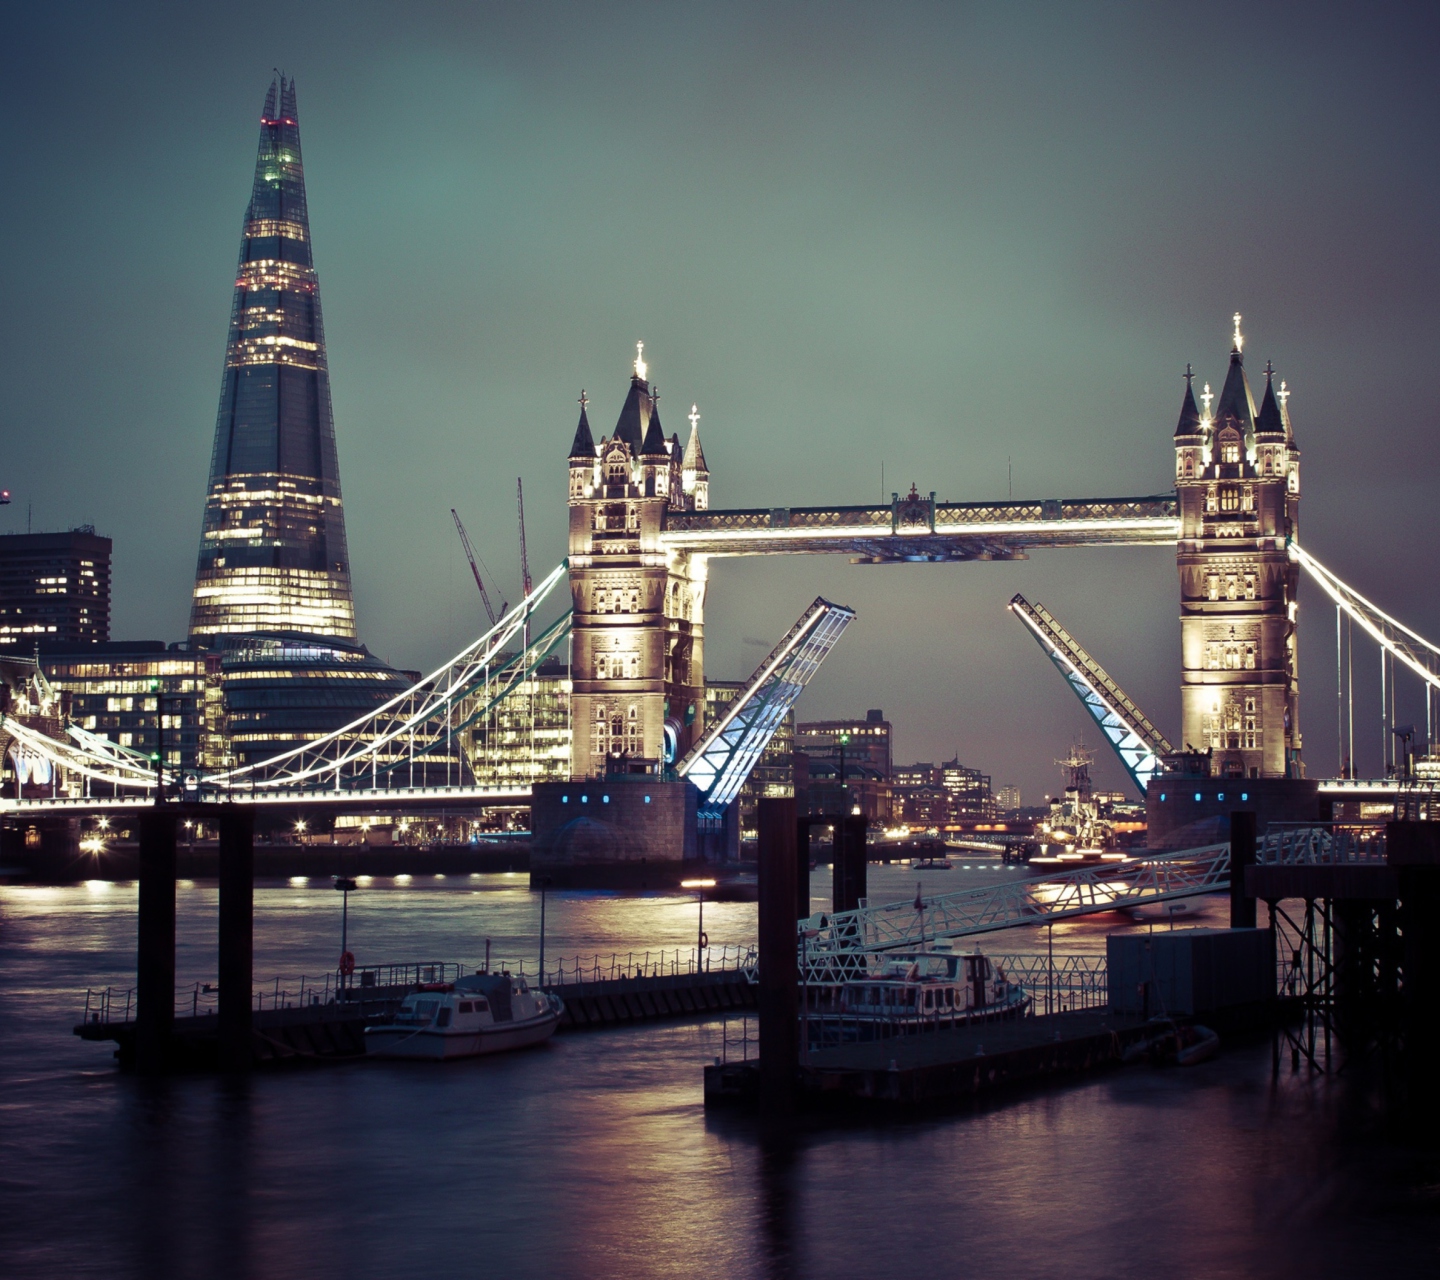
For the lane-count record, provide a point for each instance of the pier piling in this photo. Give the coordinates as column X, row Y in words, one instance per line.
column 155, row 958
column 778, row 998
column 237, row 938
column 1242, row 855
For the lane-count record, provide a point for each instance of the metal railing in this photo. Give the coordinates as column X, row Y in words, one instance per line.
column 648, row 964
column 1305, row 844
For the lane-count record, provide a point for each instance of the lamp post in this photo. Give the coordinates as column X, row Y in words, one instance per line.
column 544, row 884
column 347, row 962
column 702, row 943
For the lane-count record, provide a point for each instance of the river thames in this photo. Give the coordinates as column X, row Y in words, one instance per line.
column 593, row 1156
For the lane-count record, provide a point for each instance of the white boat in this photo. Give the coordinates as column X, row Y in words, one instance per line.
column 933, row 986
column 484, row 1013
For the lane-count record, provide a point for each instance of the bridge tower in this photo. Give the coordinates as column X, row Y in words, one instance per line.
column 638, row 658
column 1237, row 472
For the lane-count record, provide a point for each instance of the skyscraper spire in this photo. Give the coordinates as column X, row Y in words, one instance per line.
column 272, row 550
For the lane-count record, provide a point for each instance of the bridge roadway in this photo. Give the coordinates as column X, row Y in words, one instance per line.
column 369, row 800
column 919, row 528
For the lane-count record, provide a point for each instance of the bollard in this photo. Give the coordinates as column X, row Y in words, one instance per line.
column 1242, row 855
column 155, row 959
column 237, row 938
column 778, row 997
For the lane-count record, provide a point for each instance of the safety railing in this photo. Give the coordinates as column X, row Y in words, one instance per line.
column 1305, row 844
column 647, row 964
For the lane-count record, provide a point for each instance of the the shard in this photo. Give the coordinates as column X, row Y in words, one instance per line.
column 272, row 550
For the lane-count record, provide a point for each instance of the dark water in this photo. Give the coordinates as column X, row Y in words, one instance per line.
column 593, row 1156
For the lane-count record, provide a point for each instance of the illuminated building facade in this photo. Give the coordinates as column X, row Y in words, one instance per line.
column 136, row 692
column 526, row 736
column 866, row 741
column 639, row 694
column 1237, row 472
column 54, row 590
column 282, row 691
column 272, row 548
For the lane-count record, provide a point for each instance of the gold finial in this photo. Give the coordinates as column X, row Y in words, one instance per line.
column 1205, row 398
column 1239, row 338
column 694, row 417
column 1284, row 393
column 640, row 365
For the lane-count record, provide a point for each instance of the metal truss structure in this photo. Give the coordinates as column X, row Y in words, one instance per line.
column 839, row 945
column 1137, row 742
column 727, row 751
column 918, row 528
column 412, row 742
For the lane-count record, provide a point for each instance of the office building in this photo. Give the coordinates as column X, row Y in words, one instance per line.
column 54, row 590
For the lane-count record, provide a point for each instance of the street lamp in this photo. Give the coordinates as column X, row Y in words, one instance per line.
column 347, row 962
column 702, row 943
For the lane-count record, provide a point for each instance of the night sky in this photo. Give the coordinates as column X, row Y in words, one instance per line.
column 932, row 238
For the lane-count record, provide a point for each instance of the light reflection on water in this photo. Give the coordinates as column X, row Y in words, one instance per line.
column 593, row 1157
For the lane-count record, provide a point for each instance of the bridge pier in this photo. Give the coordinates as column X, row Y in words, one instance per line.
column 237, row 938
column 778, row 1001
column 155, row 959
column 848, row 875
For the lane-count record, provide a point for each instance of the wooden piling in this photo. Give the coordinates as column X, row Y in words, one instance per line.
column 1242, row 855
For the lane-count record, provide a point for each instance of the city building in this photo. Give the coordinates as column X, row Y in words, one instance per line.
column 283, row 691
column 968, row 791
column 272, row 586
column 774, row 773
column 1007, row 798
column 1237, row 473
column 866, row 741
column 54, row 590
column 272, row 547
column 526, row 736
column 136, row 693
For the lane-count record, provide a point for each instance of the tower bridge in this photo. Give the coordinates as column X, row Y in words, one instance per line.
column 642, row 535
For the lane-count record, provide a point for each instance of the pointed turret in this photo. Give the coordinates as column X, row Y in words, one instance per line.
column 1189, row 424
column 1236, row 401
column 694, row 454
column 654, row 445
column 1284, row 398
column 584, row 446
column 635, row 415
column 1269, row 421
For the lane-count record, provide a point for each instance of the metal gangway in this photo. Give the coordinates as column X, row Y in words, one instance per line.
column 839, row 945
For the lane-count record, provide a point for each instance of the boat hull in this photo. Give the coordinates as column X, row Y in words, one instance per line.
column 437, row 1044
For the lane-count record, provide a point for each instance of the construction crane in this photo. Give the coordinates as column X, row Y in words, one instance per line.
column 1137, row 742
column 524, row 559
column 475, row 569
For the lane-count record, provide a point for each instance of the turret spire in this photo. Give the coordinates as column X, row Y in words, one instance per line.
column 1189, row 424
column 584, row 446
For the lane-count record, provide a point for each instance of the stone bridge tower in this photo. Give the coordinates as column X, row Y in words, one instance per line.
column 1237, row 473
column 638, row 656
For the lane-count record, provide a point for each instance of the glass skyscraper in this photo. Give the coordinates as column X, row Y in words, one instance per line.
column 272, row 550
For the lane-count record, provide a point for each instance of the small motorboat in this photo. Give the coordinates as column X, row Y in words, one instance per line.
column 930, row 864
column 484, row 1013
column 1174, row 1044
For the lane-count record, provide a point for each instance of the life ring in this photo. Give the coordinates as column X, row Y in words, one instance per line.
column 704, row 941
column 347, row 963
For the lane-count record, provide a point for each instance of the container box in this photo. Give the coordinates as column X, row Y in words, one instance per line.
column 1190, row 971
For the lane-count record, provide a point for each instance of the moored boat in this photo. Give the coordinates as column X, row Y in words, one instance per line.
column 484, row 1013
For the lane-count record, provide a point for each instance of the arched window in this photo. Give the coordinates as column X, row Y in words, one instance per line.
column 1229, row 446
